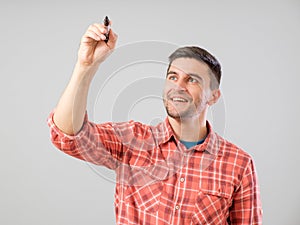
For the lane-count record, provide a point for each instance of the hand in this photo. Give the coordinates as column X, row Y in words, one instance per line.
column 93, row 49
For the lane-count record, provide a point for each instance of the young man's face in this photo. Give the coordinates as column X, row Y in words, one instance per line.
column 187, row 88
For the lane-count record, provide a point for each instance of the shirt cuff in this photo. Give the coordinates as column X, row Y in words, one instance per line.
column 55, row 129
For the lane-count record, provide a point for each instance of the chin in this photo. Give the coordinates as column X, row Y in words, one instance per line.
column 179, row 115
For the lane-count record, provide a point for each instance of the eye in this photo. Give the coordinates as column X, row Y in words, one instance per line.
column 193, row 80
column 172, row 78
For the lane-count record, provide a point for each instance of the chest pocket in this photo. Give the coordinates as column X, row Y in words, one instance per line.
column 212, row 205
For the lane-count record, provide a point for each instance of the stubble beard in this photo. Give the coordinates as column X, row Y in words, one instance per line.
column 180, row 114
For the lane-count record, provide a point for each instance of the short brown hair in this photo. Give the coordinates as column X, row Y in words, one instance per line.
column 203, row 56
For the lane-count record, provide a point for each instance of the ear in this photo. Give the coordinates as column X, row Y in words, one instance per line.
column 215, row 95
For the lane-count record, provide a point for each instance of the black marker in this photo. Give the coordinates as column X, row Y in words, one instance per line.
column 106, row 23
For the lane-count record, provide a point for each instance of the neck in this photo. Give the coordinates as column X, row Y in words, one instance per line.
column 190, row 129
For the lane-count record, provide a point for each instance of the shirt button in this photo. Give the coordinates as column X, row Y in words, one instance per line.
column 182, row 179
column 261, row 211
column 177, row 207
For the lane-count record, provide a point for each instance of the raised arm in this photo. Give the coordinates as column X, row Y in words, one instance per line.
column 70, row 110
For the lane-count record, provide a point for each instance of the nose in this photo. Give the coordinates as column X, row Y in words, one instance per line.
column 181, row 84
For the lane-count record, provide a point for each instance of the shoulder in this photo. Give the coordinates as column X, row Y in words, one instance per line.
column 233, row 152
column 127, row 129
column 236, row 161
column 131, row 125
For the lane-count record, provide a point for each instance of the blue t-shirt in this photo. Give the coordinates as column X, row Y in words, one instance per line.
column 189, row 144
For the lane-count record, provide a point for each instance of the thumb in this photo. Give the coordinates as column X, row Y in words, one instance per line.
column 113, row 37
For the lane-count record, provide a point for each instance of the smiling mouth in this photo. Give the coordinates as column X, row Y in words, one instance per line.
column 178, row 99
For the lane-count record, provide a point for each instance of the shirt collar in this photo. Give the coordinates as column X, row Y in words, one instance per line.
column 212, row 143
column 163, row 132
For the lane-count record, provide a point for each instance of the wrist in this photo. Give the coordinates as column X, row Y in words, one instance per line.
column 85, row 72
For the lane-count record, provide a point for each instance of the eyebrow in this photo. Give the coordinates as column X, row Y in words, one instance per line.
column 189, row 74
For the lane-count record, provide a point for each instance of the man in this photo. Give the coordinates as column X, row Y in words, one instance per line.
column 178, row 172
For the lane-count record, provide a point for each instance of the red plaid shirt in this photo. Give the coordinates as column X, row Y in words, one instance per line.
column 159, row 181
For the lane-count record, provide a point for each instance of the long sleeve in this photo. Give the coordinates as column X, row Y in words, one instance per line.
column 97, row 144
column 246, row 207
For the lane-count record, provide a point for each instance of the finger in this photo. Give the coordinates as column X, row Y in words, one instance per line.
column 113, row 37
column 91, row 35
column 99, row 28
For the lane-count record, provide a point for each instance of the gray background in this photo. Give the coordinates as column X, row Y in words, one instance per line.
column 257, row 43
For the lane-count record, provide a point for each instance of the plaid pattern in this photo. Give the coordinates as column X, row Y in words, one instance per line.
column 159, row 181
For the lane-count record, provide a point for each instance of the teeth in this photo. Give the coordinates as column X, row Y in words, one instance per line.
column 176, row 99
